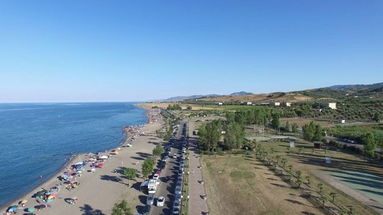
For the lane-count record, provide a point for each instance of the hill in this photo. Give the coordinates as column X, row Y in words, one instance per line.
column 332, row 93
column 356, row 87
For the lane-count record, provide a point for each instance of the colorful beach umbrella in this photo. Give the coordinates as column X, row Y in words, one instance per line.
column 31, row 209
column 23, row 202
column 40, row 206
column 12, row 208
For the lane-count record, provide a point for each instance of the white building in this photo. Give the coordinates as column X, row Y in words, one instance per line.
column 331, row 105
column 220, row 103
column 249, row 103
column 286, row 104
column 276, row 104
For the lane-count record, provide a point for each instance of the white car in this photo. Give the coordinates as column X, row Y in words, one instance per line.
column 156, row 177
column 160, row 201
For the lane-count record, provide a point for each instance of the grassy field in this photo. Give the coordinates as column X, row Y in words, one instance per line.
column 303, row 121
column 312, row 164
column 239, row 184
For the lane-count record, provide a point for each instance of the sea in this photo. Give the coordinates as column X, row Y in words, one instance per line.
column 36, row 140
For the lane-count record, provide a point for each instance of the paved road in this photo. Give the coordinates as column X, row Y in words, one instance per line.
column 197, row 205
column 168, row 178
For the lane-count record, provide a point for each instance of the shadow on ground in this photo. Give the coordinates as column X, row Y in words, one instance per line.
column 88, row 210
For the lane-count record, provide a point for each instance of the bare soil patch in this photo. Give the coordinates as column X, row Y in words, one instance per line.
column 237, row 184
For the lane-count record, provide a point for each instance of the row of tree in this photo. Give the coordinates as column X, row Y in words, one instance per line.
column 230, row 133
column 282, row 168
column 174, row 107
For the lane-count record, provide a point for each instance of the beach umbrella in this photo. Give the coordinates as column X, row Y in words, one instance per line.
column 40, row 206
column 12, row 208
column 23, row 202
column 31, row 209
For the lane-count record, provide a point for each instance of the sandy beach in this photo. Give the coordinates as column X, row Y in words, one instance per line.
column 98, row 191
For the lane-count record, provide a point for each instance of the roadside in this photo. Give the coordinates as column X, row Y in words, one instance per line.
column 197, row 204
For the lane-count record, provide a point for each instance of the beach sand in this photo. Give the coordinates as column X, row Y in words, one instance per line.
column 99, row 191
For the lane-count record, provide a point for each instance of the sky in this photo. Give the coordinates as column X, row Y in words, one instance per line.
column 137, row 50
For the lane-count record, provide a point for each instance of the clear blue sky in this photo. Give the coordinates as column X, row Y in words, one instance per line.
column 132, row 50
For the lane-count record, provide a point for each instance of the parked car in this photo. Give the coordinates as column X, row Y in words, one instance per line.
column 177, row 204
column 178, row 190
column 160, row 201
column 176, row 211
column 150, row 199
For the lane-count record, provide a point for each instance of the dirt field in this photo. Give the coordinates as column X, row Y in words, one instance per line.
column 290, row 97
column 237, row 184
column 184, row 106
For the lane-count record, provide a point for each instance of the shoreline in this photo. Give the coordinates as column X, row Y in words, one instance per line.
column 72, row 158
column 67, row 164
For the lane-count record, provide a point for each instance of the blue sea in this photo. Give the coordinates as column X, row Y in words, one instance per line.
column 37, row 139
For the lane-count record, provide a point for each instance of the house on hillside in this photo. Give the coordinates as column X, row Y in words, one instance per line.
column 220, row 103
column 249, row 103
column 331, row 105
column 276, row 104
column 286, row 104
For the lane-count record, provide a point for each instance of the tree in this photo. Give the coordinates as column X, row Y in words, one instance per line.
column 158, row 150
column 121, row 209
column 189, row 107
column 235, row 136
column 333, row 195
column 377, row 117
column 147, row 167
column 287, row 126
column 209, row 135
column 320, row 187
column 130, row 173
column 312, row 132
column 323, row 199
column 370, row 144
column 275, row 122
column 294, row 128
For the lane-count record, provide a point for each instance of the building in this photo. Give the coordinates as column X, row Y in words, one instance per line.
column 286, row 104
column 249, row 103
column 331, row 105
column 220, row 103
column 276, row 104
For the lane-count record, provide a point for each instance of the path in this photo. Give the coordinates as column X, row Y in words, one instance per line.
column 196, row 204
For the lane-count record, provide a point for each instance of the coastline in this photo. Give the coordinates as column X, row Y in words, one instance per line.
column 51, row 180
